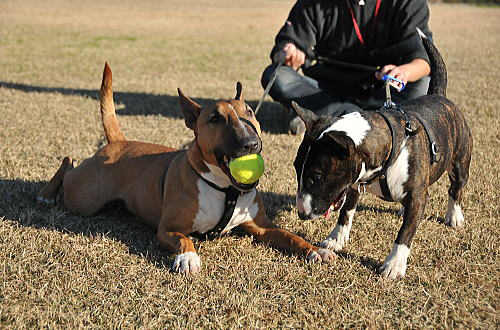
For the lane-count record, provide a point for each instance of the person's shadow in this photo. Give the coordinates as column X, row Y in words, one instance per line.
column 271, row 116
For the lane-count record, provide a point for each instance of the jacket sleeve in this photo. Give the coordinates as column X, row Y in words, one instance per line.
column 413, row 14
column 300, row 28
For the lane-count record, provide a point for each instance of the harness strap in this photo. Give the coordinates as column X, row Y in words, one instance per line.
column 382, row 174
column 433, row 148
column 230, row 201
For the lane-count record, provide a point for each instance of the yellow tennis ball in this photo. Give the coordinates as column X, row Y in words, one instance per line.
column 247, row 169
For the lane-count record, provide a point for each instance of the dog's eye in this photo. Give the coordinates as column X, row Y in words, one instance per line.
column 215, row 117
column 249, row 112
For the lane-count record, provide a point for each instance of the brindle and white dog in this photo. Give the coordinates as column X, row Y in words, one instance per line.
column 339, row 157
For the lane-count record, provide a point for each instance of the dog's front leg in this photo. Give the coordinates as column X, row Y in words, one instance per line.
column 187, row 261
column 395, row 264
column 265, row 231
column 339, row 236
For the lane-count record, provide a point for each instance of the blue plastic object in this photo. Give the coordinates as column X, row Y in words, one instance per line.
column 392, row 79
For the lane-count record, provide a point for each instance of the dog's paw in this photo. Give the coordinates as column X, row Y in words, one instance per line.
column 394, row 266
column 454, row 216
column 187, row 263
column 322, row 255
column 337, row 239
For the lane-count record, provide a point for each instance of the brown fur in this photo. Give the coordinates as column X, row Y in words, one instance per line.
column 134, row 172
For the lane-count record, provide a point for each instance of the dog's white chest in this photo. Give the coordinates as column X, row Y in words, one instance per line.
column 211, row 207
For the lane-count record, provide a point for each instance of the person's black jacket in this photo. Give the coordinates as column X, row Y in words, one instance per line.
column 325, row 28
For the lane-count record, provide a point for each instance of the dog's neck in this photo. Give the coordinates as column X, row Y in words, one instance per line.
column 209, row 171
column 375, row 151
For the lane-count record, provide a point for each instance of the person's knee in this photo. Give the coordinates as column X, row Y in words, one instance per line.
column 267, row 75
column 284, row 81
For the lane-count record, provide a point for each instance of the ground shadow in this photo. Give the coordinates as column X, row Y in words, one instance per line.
column 114, row 221
column 272, row 119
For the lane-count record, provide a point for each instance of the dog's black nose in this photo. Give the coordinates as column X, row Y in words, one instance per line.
column 251, row 146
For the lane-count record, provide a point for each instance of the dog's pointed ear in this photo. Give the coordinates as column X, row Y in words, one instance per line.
column 307, row 116
column 343, row 144
column 239, row 92
column 190, row 109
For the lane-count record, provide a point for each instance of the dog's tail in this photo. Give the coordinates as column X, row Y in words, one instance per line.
column 109, row 120
column 439, row 76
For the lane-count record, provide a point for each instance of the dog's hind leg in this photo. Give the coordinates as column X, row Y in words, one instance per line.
column 339, row 236
column 459, row 176
column 48, row 194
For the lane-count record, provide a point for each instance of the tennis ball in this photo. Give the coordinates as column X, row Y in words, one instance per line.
column 247, row 169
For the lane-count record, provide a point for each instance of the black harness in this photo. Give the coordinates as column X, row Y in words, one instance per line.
column 230, row 201
column 381, row 175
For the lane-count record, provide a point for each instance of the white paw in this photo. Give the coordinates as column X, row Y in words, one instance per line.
column 187, row 263
column 337, row 239
column 394, row 266
column 454, row 215
column 322, row 255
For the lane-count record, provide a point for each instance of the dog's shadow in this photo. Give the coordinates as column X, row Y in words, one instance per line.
column 18, row 204
column 272, row 119
column 114, row 221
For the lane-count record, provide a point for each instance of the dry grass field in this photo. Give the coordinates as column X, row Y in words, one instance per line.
column 59, row 270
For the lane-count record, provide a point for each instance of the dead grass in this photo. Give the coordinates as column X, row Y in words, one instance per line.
column 60, row 270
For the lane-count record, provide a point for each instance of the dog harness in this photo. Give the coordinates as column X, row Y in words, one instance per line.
column 391, row 107
column 230, row 201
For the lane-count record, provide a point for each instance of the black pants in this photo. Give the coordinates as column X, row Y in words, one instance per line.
column 324, row 98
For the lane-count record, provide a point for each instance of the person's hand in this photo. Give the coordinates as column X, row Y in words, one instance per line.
column 398, row 72
column 294, row 57
column 408, row 72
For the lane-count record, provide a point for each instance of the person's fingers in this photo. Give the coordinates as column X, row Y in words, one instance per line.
column 301, row 58
column 290, row 53
column 385, row 70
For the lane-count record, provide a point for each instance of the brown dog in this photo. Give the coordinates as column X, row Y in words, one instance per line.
column 179, row 192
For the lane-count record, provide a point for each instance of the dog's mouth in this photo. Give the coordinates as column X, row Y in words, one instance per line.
column 337, row 204
column 224, row 165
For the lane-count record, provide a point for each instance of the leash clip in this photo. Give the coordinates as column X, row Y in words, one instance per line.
column 361, row 187
column 392, row 81
column 435, row 155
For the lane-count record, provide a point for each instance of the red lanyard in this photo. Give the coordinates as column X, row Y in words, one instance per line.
column 355, row 22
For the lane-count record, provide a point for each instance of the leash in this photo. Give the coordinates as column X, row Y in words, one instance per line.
column 270, row 83
column 344, row 64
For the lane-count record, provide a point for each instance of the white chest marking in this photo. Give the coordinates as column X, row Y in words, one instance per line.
column 211, row 206
column 397, row 174
column 353, row 124
column 246, row 210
